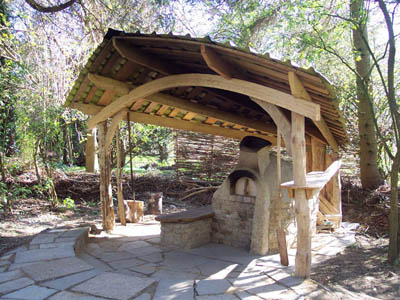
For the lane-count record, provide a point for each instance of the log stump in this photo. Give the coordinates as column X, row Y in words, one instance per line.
column 134, row 211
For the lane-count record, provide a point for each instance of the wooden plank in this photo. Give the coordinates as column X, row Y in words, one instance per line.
column 114, row 127
column 106, row 98
column 109, row 84
column 196, row 127
column 137, row 56
column 215, row 62
column 91, row 95
column 183, row 104
column 174, row 112
column 333, row 187
column 300, row 92
column 315, row 180
column 162, row 110
column 318, row 150
column 151, row 107
column 189, row 116
column 280, row 120
column 250, row 89
column 138, row 104
column 326, row 206
column 210, row 120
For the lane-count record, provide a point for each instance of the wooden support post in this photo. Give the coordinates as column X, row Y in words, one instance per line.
column 333, row 187
column 91, row 159
column 318, row 151
column 302, row 205
column 120, row 195
column 105, row 180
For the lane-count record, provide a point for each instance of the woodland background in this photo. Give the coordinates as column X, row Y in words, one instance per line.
column 44, row 45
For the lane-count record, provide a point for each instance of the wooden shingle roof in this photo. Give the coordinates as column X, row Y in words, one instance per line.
column 135, row 59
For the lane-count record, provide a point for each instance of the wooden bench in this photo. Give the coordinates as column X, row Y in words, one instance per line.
column 188, row 229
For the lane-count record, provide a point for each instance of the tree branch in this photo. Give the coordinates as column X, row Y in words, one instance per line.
column 49, row 9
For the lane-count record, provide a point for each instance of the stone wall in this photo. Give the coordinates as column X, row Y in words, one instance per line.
column 233, row 221
column 186, row 235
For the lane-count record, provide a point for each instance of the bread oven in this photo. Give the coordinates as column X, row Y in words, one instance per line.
column 245, row 204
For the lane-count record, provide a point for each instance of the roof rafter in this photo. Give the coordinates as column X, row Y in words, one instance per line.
column 92, row 109
column 215, row 62
column 105, row 83
column 137, row 56
column 263, row 93
column 300, row 92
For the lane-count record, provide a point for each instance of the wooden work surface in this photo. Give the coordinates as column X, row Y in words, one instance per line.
column 187, row 216
column 315, row 180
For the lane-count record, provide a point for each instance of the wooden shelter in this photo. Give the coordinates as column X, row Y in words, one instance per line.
column 198, row 85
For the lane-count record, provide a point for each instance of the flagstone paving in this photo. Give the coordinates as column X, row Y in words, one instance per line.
column 130, row 264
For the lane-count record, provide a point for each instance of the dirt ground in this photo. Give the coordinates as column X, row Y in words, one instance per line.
column 361, row 268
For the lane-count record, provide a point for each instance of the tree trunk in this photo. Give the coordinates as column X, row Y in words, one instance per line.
column 107, row 206
column 35, row 161
column 394, row 226
column 91, row 159
column 2, row 167
column 120, row 195
column 370, row 176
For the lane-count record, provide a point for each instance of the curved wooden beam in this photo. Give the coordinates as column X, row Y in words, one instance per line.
column 122, row 88
column 91, row 109
column 280, row 120
column 113, row 127
column 263, row 93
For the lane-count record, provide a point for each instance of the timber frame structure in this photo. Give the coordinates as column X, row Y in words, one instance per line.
column 198, row 85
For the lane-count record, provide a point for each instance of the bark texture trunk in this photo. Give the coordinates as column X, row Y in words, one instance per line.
column 91, row 159
column 370, row 176
column 107, row 206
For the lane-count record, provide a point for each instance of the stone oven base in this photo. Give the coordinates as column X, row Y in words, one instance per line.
column 186, row 235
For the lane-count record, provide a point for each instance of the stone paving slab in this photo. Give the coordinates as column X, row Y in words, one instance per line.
column 173, row 289
column 132, row 246
column 44, row 254
column 11, row 275
column 146, row 269
column 32, row 292
column 114, row 285
column 65, row 295
column 218, row 297
column 223, row 252
column 94, row 262
column 56, row 268
column 117, row 255
column 144, row 296
column 14, row 285
column 145, row 251
column 153, row 258
column 75, row 233
column 125, row 263
column 212, row 286
column 64, row 283
column 43, row 238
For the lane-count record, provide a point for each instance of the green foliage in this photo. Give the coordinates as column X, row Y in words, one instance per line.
column 68, row 203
